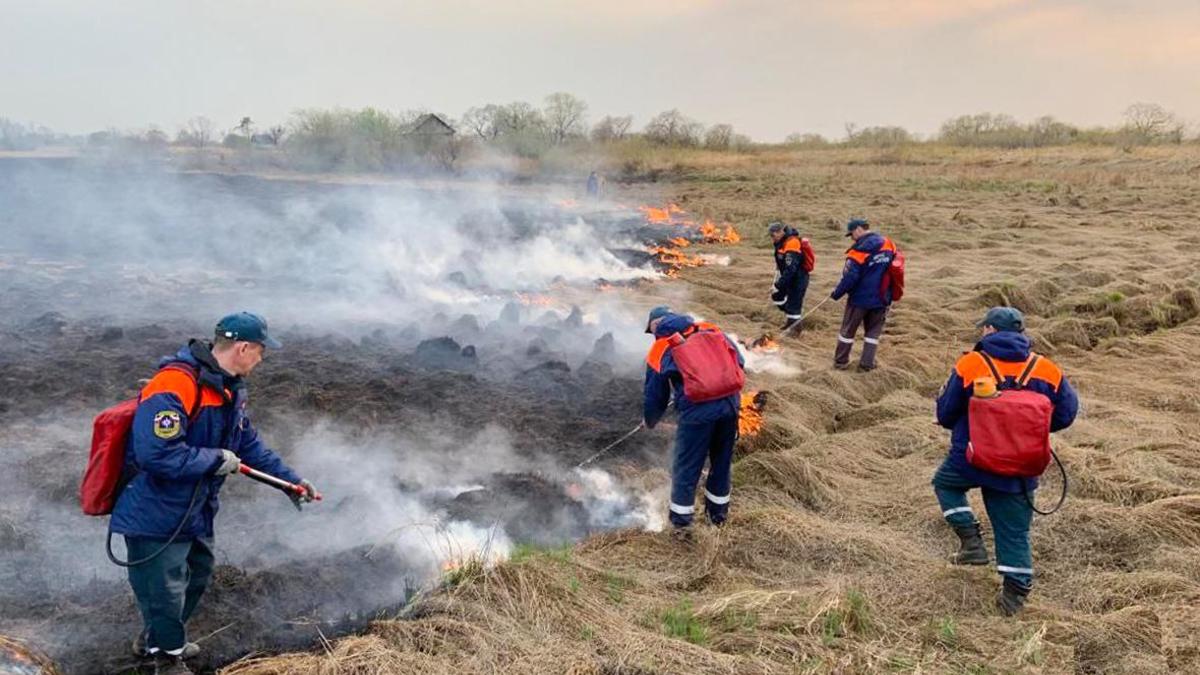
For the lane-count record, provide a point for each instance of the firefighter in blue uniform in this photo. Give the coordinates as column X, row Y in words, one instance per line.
column 705, row 430
column 1007, row 499
column 867, row 301
column 188, row 434
column 793, row 261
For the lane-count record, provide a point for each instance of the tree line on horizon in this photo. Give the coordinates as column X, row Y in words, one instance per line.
column 370, row 139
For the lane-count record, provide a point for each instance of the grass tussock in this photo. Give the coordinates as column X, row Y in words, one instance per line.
column 834, row 559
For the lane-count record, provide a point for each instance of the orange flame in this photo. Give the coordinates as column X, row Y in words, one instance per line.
column 718, row 234
column 764, row 344
column 669, row 256
column 750, row 421
column 674, row 259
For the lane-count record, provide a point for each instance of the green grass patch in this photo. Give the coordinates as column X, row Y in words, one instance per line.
column 851, row 614
column 523, row 552
column 681, row 622
column 946, row 632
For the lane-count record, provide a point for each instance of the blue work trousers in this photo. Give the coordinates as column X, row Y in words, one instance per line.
column 1010, row 513
column 169, row 587
column 693, row 444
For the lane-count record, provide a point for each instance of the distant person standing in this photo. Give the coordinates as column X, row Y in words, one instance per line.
column 594, row 185
column 794, row 261
column 870, row 284
column 1019, row 426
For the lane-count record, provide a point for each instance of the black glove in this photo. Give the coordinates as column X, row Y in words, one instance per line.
column 778, row 297
column 309, row 495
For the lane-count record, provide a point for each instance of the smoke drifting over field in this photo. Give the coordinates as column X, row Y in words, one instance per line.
column 450, row 355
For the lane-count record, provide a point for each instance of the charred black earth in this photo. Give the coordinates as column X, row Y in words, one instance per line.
column 56, row 369
column 436, row 384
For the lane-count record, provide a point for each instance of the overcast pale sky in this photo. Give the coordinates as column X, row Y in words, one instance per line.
column 769, row 67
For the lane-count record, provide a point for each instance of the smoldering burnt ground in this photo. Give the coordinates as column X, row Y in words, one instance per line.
column 274, row 595
column 433, row 434
column 833, row 560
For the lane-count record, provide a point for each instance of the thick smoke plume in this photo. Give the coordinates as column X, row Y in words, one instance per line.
column 449, row 360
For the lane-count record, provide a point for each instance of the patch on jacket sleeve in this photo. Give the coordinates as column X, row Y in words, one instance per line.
column 167, row 424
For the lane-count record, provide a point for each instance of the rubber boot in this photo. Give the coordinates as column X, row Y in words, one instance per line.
column 787, row 325
column 1011, row 598
column 972, row 550
column 190, row 649
column 165, row 664
column 683, row 534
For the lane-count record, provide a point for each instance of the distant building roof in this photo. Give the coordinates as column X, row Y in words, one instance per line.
column 432, row 125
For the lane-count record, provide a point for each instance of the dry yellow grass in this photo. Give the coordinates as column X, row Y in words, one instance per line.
column 833, row 560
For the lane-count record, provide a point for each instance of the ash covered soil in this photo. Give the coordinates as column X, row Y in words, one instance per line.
column 56, row 373
column 442, row 410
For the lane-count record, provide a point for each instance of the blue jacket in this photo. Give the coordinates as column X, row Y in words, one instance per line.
column 789, row 261
column 1010, row 351
column 173, row 453
column 663, row 377
column 862, row 277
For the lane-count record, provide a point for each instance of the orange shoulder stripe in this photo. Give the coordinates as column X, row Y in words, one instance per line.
column 1047, row 371
column 859, row 257
column 169, row 381
column 972, row 366
column 657, row 351
column 790, row 245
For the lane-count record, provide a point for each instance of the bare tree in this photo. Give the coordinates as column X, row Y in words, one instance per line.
column 1150, row 122
column 565, row 117
column 246, row 126
column 276, row 133
column 199, row 131
column 483, row 121
column 519, row 118
column 611, row 128
column 674, row 128
column 719, row 137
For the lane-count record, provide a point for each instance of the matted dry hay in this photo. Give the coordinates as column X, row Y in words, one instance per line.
column 835, row 557
column 18, row 658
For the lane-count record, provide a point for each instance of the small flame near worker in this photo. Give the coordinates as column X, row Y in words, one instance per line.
column 750, row 421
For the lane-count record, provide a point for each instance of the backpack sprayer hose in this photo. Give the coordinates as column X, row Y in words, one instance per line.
column 1061, row 499
column 174, row 535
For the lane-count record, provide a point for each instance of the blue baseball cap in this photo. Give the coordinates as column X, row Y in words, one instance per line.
column 1004, row 318
column 246, row 327
column 856, row 223
column 656, row 313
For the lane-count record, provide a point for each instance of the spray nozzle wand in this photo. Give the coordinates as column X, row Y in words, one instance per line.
column 268, row 479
